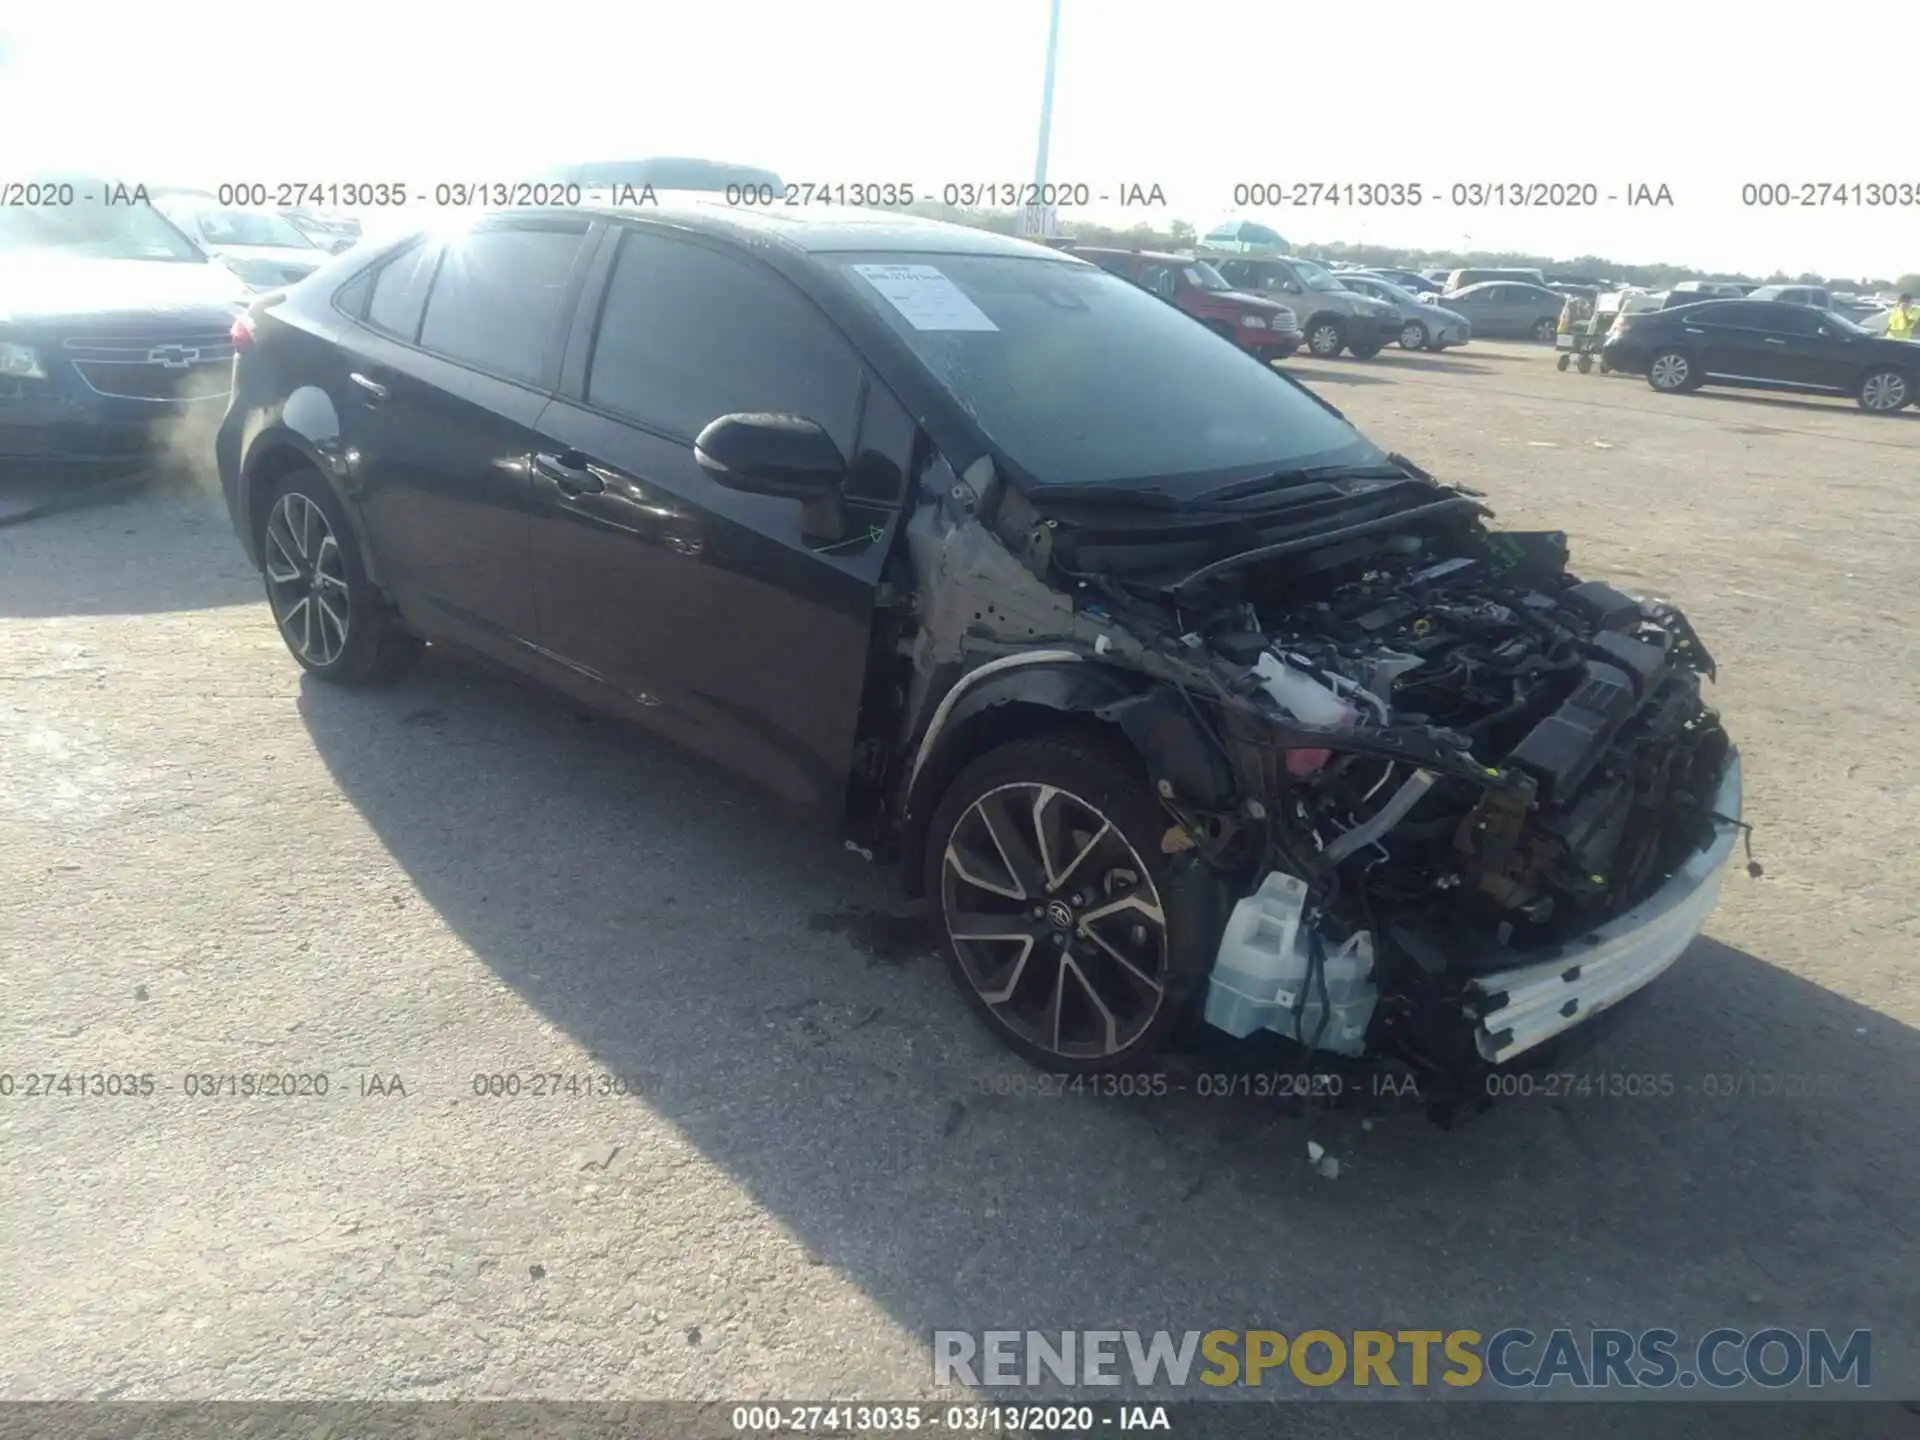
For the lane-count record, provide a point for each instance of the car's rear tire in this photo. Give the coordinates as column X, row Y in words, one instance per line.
column 1326, row 336
column 334, row 621
column 1545, row 330
column 1065, row 924
column 1413, row 336
column 1672, row 372
column 1884, row 391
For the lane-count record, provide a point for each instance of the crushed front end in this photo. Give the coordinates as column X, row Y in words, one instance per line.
column 1451, row 800
column 1517, row 812
column 1460, row 799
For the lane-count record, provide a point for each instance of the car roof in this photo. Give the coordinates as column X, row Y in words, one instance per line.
column 816, row 229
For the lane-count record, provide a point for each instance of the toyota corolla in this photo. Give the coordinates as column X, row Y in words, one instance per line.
column 1174, row 695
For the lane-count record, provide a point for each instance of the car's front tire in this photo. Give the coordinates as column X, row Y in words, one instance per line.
column 1413, row 336
column 1064, row 922
column 1544, row 331
column 1884, row 391
column 1672, row 372
column 333, row 619
column 1326, row 336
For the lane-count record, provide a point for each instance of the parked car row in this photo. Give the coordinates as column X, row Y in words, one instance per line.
column 1238, row 295
column 263, row 247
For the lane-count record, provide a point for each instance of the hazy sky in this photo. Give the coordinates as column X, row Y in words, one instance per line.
column 1194, row 95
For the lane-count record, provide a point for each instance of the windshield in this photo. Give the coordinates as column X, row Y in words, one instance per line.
column 1203, row 276
column 250, row 227
column 96, row 232
column 1387, row 290
column 1316, row 276
column 1082, row 378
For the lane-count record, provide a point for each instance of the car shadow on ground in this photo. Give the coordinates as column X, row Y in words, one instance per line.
column 1511, row 352
column 1337, row 374
column 1817, row 404
column 1737, row 1150
column 1423, row 360
column 49, row 525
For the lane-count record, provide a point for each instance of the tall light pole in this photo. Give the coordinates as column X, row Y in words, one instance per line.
column 1046, row 99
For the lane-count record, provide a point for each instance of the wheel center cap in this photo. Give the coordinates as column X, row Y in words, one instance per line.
column 1059, row 914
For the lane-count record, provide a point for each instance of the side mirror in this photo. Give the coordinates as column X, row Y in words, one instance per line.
column 787, row 456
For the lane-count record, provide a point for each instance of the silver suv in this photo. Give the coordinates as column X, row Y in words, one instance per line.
column 1333, row 317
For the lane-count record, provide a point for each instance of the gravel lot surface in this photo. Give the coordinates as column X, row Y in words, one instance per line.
column 209, row 865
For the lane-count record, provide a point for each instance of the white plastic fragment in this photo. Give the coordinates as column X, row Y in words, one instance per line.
column 1315, row 1150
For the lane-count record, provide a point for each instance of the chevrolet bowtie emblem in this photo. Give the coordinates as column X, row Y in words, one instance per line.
column 174, row 357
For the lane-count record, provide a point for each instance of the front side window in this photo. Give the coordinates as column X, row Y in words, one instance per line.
column 1159, row 279
column 1081, row 379
column 497, row 298
column 688, row 334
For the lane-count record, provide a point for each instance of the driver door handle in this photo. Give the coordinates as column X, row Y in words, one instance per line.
column 569, row 471
column 1775, row 340
column 372, row 389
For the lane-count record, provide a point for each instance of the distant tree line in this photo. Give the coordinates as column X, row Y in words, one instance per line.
column 1178, row 234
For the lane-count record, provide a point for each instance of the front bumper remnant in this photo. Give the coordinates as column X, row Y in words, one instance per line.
column 1534, row 1002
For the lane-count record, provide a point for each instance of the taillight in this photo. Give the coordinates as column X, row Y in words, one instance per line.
column 242, row 333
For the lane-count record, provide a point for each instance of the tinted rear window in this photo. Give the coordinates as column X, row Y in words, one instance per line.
column 497, row 298
column 400, row 291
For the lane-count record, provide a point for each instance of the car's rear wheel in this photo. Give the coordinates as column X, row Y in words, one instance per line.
column 333, row 619
column 1672, row 372
column 1326, row 336
column 1064, row 926
column 1884, row 391
column 1413, row 336
column 1545, row 329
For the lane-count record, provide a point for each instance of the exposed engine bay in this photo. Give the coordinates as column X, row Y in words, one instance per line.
column 1412, row 749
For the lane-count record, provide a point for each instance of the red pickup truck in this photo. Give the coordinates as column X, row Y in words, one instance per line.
column 1263, row 328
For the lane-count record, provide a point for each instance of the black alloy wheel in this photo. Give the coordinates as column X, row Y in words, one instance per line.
column 1064, row 928
column 334, row 621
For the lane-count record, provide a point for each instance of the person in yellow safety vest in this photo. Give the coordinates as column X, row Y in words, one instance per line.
column 1903, row 320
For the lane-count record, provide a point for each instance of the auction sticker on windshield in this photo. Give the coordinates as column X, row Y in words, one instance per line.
column 927, row 299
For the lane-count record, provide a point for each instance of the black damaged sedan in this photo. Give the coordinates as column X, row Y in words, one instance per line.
column 1177, row 697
